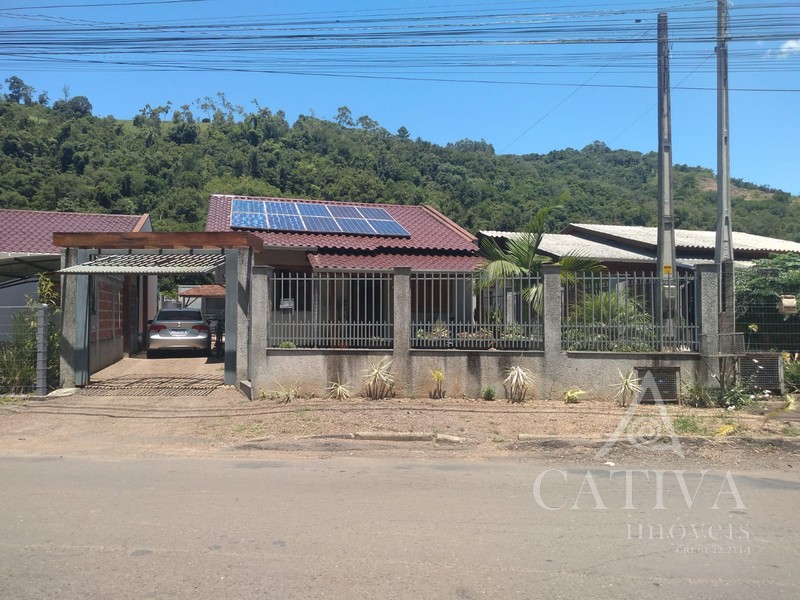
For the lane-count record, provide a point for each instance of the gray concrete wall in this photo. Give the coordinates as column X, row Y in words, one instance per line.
column 467, row 373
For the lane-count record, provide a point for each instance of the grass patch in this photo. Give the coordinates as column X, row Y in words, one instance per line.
column 791, row 431
column 688, row 424
column 7, row 400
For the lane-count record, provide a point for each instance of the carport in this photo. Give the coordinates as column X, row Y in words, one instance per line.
column 120, row 254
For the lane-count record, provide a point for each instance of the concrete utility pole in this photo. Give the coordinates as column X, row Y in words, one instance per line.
column 665, row 301
column 723, row 251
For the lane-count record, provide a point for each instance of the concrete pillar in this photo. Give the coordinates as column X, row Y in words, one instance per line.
column 244, row 263
column 74, row 362
column 260, row 315
column 707, row 311
column 401, row 364
column 551, row 313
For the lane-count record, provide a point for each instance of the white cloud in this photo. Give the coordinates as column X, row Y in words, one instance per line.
column 787, row 49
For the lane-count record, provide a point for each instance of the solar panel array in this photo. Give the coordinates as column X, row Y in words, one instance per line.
column 269, row 215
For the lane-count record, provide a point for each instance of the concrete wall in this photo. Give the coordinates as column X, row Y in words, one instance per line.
column 467, row 373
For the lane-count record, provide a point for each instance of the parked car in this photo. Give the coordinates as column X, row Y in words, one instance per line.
column 178, row 329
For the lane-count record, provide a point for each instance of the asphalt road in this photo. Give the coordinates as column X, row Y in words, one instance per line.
column 391, row 528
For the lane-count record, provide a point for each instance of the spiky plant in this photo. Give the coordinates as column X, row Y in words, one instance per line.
column 630, row 387
column 379, row 379
column 286, row 394
column 573, row 396
column 337, row 390
column 438, row 378
column 518, row 380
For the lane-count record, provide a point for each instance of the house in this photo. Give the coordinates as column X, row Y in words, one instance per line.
column 318, row 291
column 119, row 306
column 625, row 248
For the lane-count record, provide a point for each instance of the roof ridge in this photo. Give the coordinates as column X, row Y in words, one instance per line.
column 452, row 225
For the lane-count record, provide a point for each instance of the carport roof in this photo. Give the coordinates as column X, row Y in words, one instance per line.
column 148, row 264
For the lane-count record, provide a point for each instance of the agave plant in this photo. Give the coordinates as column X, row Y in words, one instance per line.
column 518, row 380
column 630, row 387
column 379, row 379
column 438, row 378
column 337, row 390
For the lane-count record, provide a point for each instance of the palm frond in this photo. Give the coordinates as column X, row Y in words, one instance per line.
column 574, row 263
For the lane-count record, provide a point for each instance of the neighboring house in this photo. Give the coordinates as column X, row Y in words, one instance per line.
column 625, row 248
column 119, row 306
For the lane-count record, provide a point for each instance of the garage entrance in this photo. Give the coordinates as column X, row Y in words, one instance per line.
column 131, row 258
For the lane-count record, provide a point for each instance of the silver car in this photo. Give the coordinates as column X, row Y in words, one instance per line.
column 178, row 329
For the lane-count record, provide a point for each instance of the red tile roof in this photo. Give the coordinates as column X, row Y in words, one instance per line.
column 430, row 230
column 205, row 291
column 32, row 230
column 384, row 262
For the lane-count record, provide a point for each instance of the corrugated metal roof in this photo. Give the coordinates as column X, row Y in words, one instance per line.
column 429, row 230
column 32, row 230
column 685, row 238
column 559, row 244
column 149, row 264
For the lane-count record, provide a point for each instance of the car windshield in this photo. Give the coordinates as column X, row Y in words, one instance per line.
column 179, row 315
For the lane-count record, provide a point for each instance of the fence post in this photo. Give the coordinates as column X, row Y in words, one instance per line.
column 402, row 325
column 551, row 312
column 260, row 315
column 41, row 350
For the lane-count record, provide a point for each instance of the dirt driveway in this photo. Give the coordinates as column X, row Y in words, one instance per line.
column 179, row 406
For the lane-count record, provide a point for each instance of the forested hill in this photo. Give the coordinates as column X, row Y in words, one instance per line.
column 166, row 162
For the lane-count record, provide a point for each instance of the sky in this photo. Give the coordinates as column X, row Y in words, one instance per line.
column 526, row 76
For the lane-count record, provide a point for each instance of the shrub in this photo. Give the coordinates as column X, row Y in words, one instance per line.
column 517, row 383
column 379, row 379
column 489, row 393
column 438, row 378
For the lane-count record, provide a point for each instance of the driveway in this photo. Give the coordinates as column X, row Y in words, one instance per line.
column 173, row 375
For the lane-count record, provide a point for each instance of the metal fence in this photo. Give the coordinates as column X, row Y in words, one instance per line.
column 608, row 312
column 452, row 310
column 23, row 349
column 331, row 310
column 765, row 329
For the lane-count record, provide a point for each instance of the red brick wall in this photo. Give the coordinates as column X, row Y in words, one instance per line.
column 109, row 310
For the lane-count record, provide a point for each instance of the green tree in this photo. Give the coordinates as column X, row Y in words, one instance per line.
column 521, row 258
column 19, row 91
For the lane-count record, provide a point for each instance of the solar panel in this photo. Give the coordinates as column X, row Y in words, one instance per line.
column 321, row 224
column 281, row 208
column 314, row 210
column 355, row 226
column 286, row 222
column 348, row 212
column 248, row 206
column 273, row 215
column 388, row 227
column 249, row 220
column 375, row 213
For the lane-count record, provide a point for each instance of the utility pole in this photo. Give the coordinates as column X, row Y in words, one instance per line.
column 723, row 251
column 666, row 295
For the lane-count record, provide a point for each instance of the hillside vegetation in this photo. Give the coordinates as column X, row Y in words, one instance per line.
column 166, row 163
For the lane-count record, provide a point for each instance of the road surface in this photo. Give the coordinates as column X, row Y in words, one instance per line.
column 391, row 528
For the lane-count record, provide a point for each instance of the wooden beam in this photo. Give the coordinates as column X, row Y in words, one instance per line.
column 182, row 240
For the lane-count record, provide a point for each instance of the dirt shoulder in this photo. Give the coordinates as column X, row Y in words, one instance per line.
column 206, row 420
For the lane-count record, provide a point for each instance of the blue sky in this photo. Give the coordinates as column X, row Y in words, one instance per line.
column 490, row 85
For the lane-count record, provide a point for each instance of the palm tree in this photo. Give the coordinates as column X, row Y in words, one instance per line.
column 520, row 259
